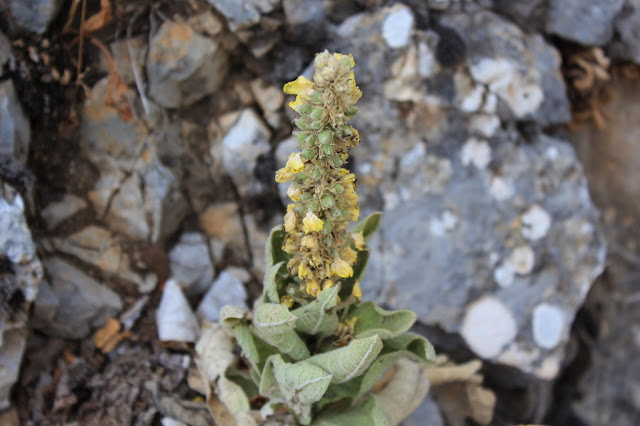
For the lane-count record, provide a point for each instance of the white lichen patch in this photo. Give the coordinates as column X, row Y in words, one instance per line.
column 397, row 27
column 488, row 326
column 501, row 76
column 522, row 260
column 548, row 324
column 536, row 223
column 444, row 224
column 500, row 188
column 476, row 152
column 484, row 124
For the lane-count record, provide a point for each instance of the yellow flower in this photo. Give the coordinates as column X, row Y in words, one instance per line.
column 300, row 86
column 341, row 268
column 327, row 284
column 358, row 240
column 290, row 221
column 354, row 214
column 313, row 288
column 348, row 178
column 295, row 164
column 304, row 271
column 357, row 292
column 311, row 223
column 286, row 300
column 343, row 172
column 339, row 57
column 290, row 246
column 294, row 193
column 349, row 255
column 283, row 176
column 309, row 241
column 290, row 207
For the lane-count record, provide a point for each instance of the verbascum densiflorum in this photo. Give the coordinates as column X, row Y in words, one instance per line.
column 322, row 190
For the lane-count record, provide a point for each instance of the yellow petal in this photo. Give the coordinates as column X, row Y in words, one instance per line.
column 313, row 288
column 290, row 221
column 290, row 246
column 339, row 57
column 300, row 86
column 341, row 268
column 327, row 284
column 312, row 223
column 349, row 255
column 304, row 271
column 295, row 163
column 294, row 193
column 286, row 300
column 309, row 241
column 358, row 240
column 283, row 176
column 354, row 214
column 357, row 292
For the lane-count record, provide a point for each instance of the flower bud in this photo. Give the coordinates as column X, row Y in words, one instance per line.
column 325, row 136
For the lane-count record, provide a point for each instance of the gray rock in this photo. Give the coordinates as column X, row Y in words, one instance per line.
column 84, row 303
column 176, row 322
column 45, row 307
column 34, row 16
column 18, row 287
column 5, row 52
column 127, row 66
column 427, row 413
column 241, row 146
column 191, row 264
column 533, row 88
column 245, row 13
column 528, row 14
column 57, row 212
column 509, row 279
column 164, row 204
column 627, row 43
column 303, row 11
column 588, row 23
column 126, row 212
column 225, row 290
column 183, row 66
column 15, row 132
column 96, row 246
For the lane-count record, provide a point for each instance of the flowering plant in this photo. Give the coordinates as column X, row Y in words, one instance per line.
column 312, row 352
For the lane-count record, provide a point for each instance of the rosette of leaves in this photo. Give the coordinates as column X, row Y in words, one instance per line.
column 327, row 362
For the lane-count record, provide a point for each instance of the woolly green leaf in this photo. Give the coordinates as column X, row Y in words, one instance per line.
column 317, row 317
column 233, row 396
column 358, row 272
column 417, row 345
column 253, row 348
column 404, row 392
column 370, row 412
column 351, row 361
column 271, row 319
column 369, row 225
column 341, row 394
column 300, row 385
column 273, row 248
column 374, row 320
column 288, row 343
column 271, row 285
column 231, row 315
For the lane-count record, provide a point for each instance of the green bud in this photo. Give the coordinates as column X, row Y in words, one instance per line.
column 325, row 136
column 336, row 213
column 327, row 241
column 301, row 136
column 305, row 196
column 311, row 139
column 309, row 153
column 316, row 174
column 347, row 130
column 300, row 209
column 302, row 124
column 337, row 161
column 351, row 111
column 326, row 228
column 338, row 188
column 327, row 149
column 346, row 61
column 316, row 125
column 314, row 206
column 327, row 201
column 316, row 96
column 304, row 109
column 317, row 113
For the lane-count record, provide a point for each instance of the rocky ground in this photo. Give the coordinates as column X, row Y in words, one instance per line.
column 139, row 142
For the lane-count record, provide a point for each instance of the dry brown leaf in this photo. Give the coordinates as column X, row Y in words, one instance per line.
column 100, row 19
column 104, row 335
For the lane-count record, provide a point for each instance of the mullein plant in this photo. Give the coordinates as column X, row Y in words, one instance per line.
column 311, row 351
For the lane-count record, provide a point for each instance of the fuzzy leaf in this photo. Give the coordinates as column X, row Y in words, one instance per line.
column 369, row 225
column 317, row 317
column 272, row 283
column 299, row 385
column 343, row 393
column 370, row 412
column 215, row 352
column 231, row 315
column 413, row 343
column 288, row 343
column 273, row 248
column 374, row 320
column 379, row 368
column 272, row 319
column 351, row 361
column 405, row 391
column 358, row 271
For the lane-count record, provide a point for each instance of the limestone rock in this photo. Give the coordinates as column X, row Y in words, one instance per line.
column 34, row 16
column 184, row 66
column 244, row 13
column 15, row 132
column 627, row 43
column 176, row 322
column 57, row 212
column 588, row 23
column 225, row 290
column 460, row 256
column 83, row 303
column 20, row 275
column 191, row 264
